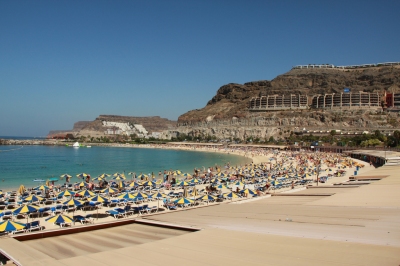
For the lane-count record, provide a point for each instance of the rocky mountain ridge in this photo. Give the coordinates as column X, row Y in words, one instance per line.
column 227, row 115
column 232, row 100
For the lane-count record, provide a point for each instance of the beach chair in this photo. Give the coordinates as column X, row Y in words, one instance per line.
column 82, row 219
column 70, row 208
column 171, row 207
column 114, row 214
column 45, row 210
column 112, row 203
column 33, row 226
column 128, row 210
column 6, row 215
column 121, row 211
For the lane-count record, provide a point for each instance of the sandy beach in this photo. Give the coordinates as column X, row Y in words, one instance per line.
column 300, row 204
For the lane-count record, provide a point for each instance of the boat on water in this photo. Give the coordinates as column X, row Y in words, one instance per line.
column 88, row 146
column 38, row 180
column 76, row 145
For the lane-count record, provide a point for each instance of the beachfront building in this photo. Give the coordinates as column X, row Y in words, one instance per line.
column 330, row 66
column 359, row 100
column 141, row 130
column 278, row 102
column 118, row 128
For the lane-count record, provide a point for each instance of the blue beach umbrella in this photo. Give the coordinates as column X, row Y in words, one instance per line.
column 182, row 201
column 98, row 198
column 73, row 202
column 86, row 193
column 149, row 184
column 66, row 193
column 25, row 209
column 59, row 219
column 109, row 190
column 183, row 183
column 231, row 195
column 42, row 187
column 127, row 196
column 82, row 175
column 134, row 184
column 33, row 198
column 158, row 195
column 10, row 226
column 207, row 198
column 141, row 195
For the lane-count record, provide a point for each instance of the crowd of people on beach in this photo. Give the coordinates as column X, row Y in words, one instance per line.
column 278, row 170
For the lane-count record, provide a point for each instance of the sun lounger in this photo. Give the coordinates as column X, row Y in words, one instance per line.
column 33, row 226
column 82, row 219
column 7, row 215
column 115, row 214
column 112, row 203
column 128, row 210
column 171, row 207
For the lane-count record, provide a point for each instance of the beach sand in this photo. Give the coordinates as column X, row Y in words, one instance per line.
column 327, row 225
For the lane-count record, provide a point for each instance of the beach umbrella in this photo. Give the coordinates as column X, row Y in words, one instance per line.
column 185, row 193
column 53, row 179
column 25, row 209
column 82, row 175
column 86, row 193
column 231, row 195
column 33, row 198
column 97, row 178
column 66, row 176
column 177, row 172
column 104, row 175
column 66, row 193
column 134, row 184
column 183, row 200
column 100, row 199
column 194, row 180
column 59, row 219
column 127, row 196
column 149, row 183
column 207, row 198
column 21, row 190
column 187, row 175
column 248, row 192
column 195, row 192
column 42, row 187
column 73, row 202
column 9, row 226
column 158, row 195
column 143, row 176
column 140, row 195
column 108, row 190
column 183, row 183
column 83, row 184
column 222, row 186
column 239, row 183
column 119, row 177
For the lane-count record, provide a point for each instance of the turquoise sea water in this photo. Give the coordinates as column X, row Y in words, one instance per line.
column 21, row 164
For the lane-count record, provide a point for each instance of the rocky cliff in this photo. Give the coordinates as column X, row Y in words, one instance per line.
column 77, row 127
column 226, row 115
column 232, row 99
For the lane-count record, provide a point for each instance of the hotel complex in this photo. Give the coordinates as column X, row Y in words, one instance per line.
column 389, row 100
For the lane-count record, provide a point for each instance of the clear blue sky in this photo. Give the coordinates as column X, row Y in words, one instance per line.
column 68, row 61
